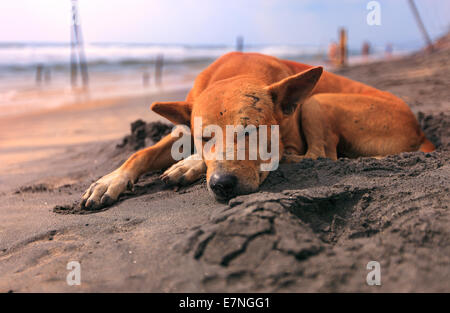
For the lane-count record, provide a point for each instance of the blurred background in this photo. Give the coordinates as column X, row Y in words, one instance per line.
column 135, row 47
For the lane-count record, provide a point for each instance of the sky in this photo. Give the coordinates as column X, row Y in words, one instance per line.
column 217, row 22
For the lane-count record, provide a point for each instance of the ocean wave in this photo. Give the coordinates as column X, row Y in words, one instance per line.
column 19, row 56
column 24, row 57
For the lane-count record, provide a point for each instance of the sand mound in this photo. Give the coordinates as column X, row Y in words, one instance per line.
column 394, row 211
column 144, row 134
column 323, row 221
column 315, row 225
column 437, row 128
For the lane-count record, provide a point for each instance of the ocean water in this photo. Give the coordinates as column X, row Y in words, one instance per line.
column 114, row 70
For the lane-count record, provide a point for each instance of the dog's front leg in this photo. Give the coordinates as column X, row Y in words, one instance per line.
column 185, row 171
column 108, row 188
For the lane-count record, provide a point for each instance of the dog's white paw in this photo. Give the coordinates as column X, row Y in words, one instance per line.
column 106, row 190
column 185, row 171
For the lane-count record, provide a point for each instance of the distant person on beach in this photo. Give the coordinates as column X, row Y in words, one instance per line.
column 365, row 51
column 333, row 53
column 388, row 50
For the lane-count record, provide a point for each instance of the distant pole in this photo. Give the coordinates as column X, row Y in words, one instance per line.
column 240, row 43
column 83, row 62
column 342, row 47
column 159, row 69
column 77, row 49
column 73, row 51
column 421, row 25
column 39, row 72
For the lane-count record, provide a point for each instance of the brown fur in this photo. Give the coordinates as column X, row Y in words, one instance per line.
column 320, row 115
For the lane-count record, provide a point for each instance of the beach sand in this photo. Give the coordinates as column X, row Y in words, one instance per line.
column 314, row 225
column 46, row 133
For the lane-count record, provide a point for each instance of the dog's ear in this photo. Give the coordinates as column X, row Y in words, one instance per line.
column 294, row 89
column 178, row 112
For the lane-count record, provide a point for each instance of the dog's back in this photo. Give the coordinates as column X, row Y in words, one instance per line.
column 270, row 70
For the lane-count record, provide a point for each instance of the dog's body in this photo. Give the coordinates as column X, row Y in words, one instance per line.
column 320, row 114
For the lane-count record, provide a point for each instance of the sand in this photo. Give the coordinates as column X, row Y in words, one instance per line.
column 314, row 225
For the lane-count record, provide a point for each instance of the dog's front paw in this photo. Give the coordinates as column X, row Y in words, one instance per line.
column 106, row 190
column 185, row 171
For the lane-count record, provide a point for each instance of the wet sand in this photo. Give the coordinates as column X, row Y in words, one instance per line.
column 314, row 225
column 40, row 136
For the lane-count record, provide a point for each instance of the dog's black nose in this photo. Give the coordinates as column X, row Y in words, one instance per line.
column 223, row 185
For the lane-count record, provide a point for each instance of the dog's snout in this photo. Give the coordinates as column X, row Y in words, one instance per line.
column 223, row 185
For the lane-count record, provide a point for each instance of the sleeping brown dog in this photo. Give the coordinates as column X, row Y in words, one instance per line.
column 319, row 114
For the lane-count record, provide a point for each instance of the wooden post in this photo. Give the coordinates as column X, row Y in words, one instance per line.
column 39, row 72
column 342, row 46
column 421, row 25
column 77, row 50
column 240, row 43
column 73, row 52
column 159, row 69
column 83, row 62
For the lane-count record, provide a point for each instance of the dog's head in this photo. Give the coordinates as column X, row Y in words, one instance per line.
column 226, row 119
